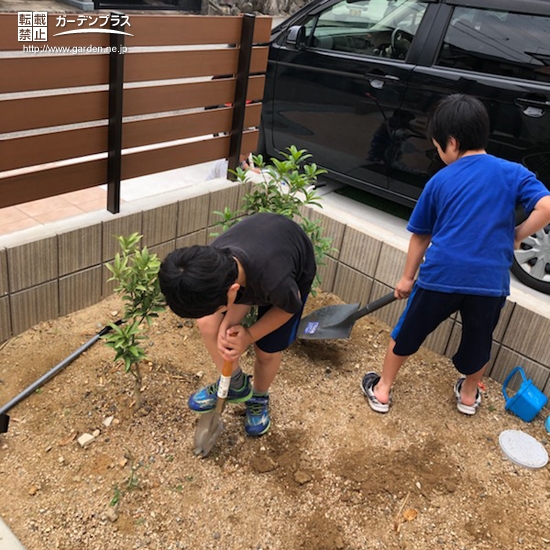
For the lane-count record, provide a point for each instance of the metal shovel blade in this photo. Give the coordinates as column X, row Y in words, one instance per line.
column 210, row 424
column 208, row 430
column 334, row 322
column 326, row 323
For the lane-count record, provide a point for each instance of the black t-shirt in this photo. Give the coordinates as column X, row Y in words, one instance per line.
column 277, row 257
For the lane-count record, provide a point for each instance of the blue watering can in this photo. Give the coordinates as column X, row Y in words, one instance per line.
column 528, row 400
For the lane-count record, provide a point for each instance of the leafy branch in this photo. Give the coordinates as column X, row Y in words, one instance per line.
column 285, row 187
column 136, row 272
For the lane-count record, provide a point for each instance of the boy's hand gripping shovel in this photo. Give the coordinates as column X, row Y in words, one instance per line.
column 210, row 424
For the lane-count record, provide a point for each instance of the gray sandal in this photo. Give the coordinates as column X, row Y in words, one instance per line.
column 466, row 409
column 367, row 387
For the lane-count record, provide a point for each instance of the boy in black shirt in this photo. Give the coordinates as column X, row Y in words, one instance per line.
column 264, row 260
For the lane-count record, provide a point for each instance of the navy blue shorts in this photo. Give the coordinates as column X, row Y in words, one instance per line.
column 281, row 338
column 427, row 309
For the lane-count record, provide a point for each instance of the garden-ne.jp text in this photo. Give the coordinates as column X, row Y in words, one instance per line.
column 74, row 49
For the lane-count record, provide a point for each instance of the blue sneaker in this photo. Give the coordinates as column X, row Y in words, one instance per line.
column 204, row 400
column 257, row 415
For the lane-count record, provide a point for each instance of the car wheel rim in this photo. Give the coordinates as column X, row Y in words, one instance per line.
column 533, row 256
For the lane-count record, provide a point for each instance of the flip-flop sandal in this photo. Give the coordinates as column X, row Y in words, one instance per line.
column 466, row 409
column 367, row 384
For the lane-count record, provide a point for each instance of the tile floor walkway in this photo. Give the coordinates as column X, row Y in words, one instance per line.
column 31, row 214
column 60, row 207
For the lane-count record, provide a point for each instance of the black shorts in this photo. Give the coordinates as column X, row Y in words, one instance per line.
column 427, row 309
column 281, row 338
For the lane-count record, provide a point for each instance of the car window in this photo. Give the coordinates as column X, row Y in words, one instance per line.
column 498, row 42
column 383, row 28
column 308, row 30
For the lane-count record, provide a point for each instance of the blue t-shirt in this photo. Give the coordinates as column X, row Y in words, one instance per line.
column 468, row 208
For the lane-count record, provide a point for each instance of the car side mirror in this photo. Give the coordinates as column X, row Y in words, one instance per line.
column 297, row 37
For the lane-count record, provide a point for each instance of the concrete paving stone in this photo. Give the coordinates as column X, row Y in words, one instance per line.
column 8, row 540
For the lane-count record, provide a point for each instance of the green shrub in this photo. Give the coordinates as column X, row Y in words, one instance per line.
column 136, row 272
column 286, row 186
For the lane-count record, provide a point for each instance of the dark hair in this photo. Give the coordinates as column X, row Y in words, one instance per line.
column 463, row 117
column 195, row 280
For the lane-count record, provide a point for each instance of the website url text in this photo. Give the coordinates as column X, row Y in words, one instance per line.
column 73, row 49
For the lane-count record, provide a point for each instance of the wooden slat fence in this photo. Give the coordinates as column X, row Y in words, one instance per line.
column 188, row 89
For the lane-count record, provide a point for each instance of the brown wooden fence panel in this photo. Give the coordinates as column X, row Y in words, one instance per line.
column 58, row 180
column 174, row 97
column 56, row 146
column 73, row 108
column 190, row 30
column 147, row 66
column 170, row 158
column 29, row 113
column 53, row 181
column 171, row 128
column 49, row 114
column 41, row 72
column 63, row 145
column 147, row 30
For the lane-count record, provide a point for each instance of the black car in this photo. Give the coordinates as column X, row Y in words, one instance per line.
column 354, row 83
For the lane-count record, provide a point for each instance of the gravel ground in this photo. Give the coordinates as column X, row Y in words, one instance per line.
column 331, row 474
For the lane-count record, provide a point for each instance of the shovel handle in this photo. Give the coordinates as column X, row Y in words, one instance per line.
column 58, row 368
column 373, row 306
column 227, row 369
column 225, row 378
column 223, row 385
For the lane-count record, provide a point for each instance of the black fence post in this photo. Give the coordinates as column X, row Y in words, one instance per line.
column 116, row 82
column 241, row 89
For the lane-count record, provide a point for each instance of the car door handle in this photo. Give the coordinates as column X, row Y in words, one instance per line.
column 533, row 108
column 381, row 77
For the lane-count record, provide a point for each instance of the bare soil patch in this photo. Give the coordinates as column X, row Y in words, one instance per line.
column 331, row 474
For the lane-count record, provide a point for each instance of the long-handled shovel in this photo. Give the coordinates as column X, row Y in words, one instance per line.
column 210, row 424
column 333, row 322
column 5, row 419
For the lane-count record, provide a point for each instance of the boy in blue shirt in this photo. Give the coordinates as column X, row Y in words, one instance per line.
column 467, row 214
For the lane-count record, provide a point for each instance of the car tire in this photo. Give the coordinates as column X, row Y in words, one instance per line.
column 531, row 263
